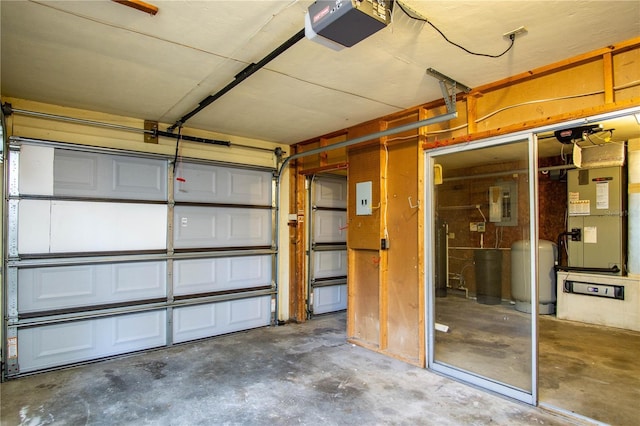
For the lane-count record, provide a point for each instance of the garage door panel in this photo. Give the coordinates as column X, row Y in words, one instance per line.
column 331, row 193
column 218, row 274
column 330, row 226
column 330, row 263
column 137, row 331
column 222, row 185
column 34, row 224
column 329, row 299
column 103, row 227
column 77, row 226
column 248, row 311
column 98, row 175
column 76, row 173
column 66, row 343
column 200, row 321
column 195, row 322
column 103, row 261
column 35, row 175
column 139, row 179
column 139, row 277
column 327, row 291
column 66, row 287
column 214, row 227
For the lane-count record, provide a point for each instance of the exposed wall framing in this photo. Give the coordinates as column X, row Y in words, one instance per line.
column 597, row 82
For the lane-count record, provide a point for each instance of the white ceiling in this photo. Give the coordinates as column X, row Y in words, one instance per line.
column 102, row 56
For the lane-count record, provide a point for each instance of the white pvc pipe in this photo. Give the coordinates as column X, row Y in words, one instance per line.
column 633, row 209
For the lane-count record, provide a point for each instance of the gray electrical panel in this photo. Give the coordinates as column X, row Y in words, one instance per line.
column 597, row 211
column 349, row 21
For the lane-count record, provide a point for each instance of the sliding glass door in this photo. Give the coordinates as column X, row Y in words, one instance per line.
column 480, row 226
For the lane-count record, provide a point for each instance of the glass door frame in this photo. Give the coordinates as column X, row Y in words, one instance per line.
column 429, row 257
column 429, row 244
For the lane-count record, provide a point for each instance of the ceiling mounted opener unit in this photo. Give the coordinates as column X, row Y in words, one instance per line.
column 347, row 22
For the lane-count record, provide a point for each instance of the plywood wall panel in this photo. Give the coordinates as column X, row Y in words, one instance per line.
column 577, row 80
column 403, row 279
column 626, row 67
column 364, row 297
column 364, row 166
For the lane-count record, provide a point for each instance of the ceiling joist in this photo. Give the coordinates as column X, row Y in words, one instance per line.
column 139, row 5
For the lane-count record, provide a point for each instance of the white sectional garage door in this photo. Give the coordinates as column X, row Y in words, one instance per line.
column 328, row 251
column 108, row 252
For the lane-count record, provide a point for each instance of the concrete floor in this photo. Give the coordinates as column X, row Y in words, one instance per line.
column 589, row 370
column 292, row 374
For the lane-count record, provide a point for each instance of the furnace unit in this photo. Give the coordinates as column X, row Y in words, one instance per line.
column 597, row 219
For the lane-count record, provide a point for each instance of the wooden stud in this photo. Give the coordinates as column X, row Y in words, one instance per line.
column 472, row 113
column 526, row 125
column 323, row 155
column 328, row 168
column 383, row 254
column 607, row 62
column 421, row 246
column 560, row 65
column 298, row 281
column 139, row 5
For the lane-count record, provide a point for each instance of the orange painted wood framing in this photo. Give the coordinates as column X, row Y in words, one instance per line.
column 139, row 5
column 298, row 280
column 323, row 169
column 605, row 55
column 371, row 312
column 477, row 93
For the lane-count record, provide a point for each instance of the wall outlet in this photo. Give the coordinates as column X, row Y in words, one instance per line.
column 515, row 33
column 477, row 226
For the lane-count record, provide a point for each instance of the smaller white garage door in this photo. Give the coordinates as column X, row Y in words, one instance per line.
column 328, row 251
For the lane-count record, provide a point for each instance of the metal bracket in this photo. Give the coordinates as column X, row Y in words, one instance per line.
column 279, row 153
column 12, row 368
column 14, row 172
column 12, row 231
column 151, row 131
column 7, row 109
column 12, row 295
column 448, row 87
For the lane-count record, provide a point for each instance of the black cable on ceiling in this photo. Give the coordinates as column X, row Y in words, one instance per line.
column 239, row 78
column 512, row 37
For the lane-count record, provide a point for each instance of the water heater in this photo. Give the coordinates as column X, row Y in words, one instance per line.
column 597, row 218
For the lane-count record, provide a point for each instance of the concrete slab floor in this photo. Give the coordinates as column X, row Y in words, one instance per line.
column 292, row 374
column 590, row 370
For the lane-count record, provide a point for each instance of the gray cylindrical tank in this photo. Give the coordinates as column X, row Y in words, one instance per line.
column 488, row 266
column 521, row 276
